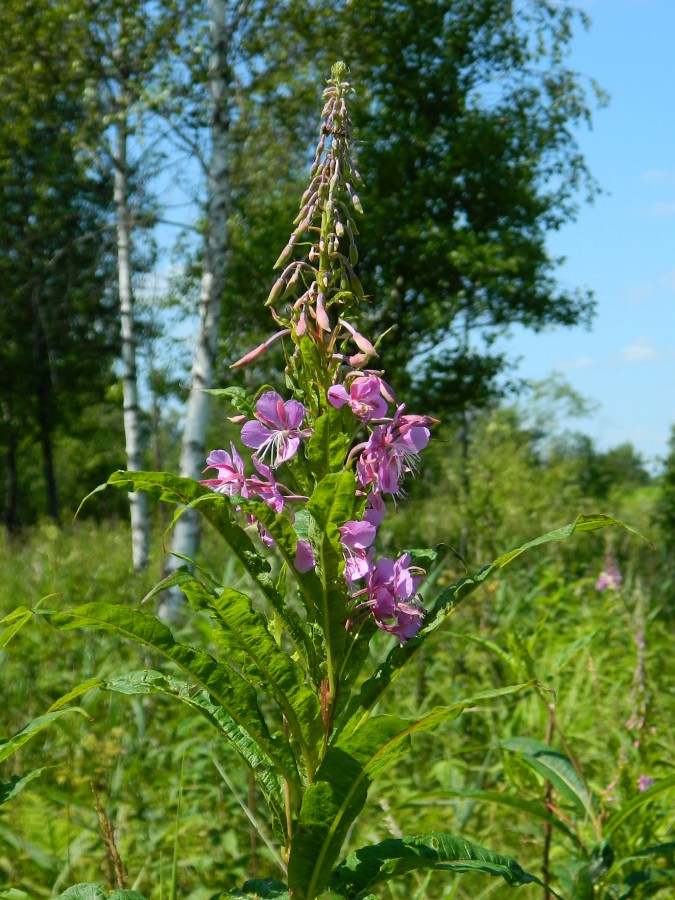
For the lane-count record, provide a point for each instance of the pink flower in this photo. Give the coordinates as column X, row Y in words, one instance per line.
column 391, row 451
column 356, row 537
column 304, row 557
column 277, row 430
column 266, row 488
column 230, row 468
column 645, row 782
column 376, row 509
column 610, row 577
column 391, row 586
column 364, row 398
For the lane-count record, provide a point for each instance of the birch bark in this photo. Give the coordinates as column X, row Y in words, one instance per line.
column 140, row 531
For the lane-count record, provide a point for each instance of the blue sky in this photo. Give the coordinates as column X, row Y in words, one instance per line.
column 623, row 246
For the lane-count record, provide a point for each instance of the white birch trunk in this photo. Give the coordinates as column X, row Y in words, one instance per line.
column 193, row 450
column 140, row 531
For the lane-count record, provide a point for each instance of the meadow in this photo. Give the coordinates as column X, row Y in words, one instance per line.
column 146, row 778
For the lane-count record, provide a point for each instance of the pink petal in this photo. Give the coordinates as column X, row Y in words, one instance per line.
column 337, row 396
column 295, row 413
column 304, row 557
column 253, row 434
column 287, row 449
column 357, row 535
column 268, row 407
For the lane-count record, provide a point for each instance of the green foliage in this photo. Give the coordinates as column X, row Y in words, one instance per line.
column 288, row 665
column 362, row 869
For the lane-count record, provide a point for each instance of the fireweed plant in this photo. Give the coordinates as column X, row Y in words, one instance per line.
column 322, row 464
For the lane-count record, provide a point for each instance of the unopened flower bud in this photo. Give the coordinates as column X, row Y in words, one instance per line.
column 286, row 254
column 250, row 357
column 322, row 319
column 357, row 203
column 275, row 292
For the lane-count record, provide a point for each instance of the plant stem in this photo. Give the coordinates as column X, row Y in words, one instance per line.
column 548, row 828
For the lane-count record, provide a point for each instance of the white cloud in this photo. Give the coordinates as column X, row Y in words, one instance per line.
column 583, row 362
column 641, row 350
column 638, row 293
column 662, row 208
column 668, row 280
column 659, row 176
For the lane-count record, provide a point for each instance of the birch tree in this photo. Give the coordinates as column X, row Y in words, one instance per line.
column 234, row 69
column 129, row 42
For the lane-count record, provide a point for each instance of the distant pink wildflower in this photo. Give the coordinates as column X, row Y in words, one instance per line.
column 644, row 783
column 610, row 577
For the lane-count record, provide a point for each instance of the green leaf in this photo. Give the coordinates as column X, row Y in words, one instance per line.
column 627, row 810
column 646, row 882
column 17, row 783
column 17, row 619
column 532, row 808
column 445, row 605
column 245, row 633
column 242, row 401
column 217, row 510
column 12, row 744
column 225, row 685
column 330, row 506
column 352, row 762
column 328, row 446
column 97, row 892
column 363, row 869
column 13, row 894
column 267, row 777
column 558, row 769
column 257, row 889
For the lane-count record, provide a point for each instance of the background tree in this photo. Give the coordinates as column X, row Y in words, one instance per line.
column 127, row 45
column 57, row 330
column 470, row 160
column 665, row 508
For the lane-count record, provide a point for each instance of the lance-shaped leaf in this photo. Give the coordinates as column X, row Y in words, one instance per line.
column 97, row 892
column 370, row 866
column 328, row 446
column 149, row 681
column 531, row 808
column 12, row 744
column 558, row 769
column 264, row 771
column 242, row 401
column 446, row 603
column 245, row 634
column 330, row 805
column 330, row 506
column 217, row 510
column 225, row 685
column 17, row 783
column 257, row 889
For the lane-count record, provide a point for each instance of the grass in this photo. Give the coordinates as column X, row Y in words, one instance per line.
column 605, row 655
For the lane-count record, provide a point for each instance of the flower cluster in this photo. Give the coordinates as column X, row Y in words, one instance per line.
column 314, row 301
column 387, row 588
